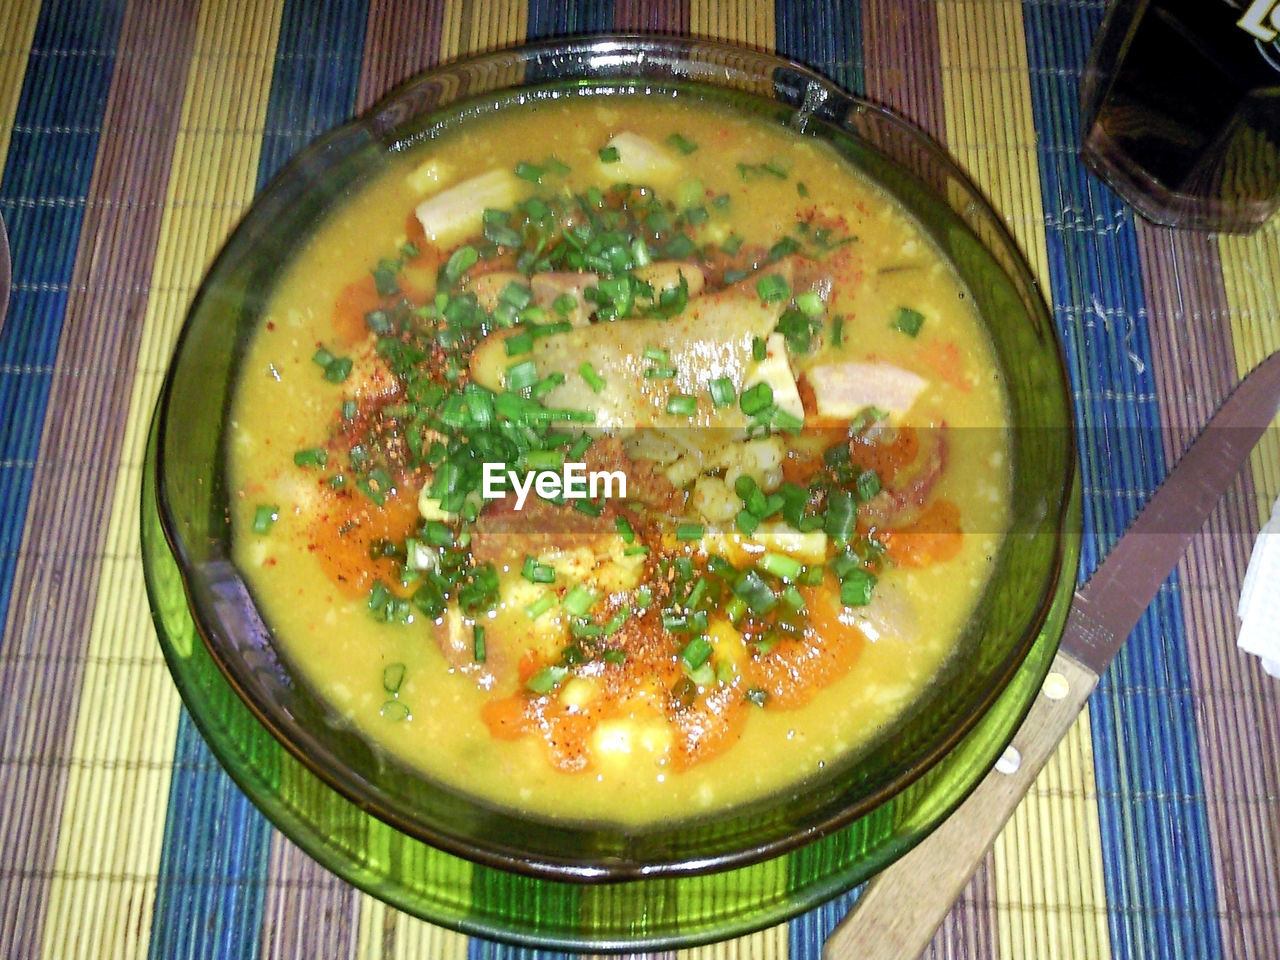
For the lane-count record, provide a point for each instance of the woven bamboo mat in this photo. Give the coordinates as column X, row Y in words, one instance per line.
column 132, row 135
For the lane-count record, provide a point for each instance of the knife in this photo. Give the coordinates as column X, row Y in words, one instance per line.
column 902, row 906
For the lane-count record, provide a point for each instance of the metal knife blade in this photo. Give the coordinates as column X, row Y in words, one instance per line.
column 1107, row 608
column 902, row 906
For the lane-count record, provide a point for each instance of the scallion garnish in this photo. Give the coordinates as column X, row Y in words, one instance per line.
column 311, row 457
column 721, row 390
column 521, row 376
column 856, row 587
column 624, row 529
column 755, row 399
column 696, row 652
column 682, row 405
column 392, row 677
column 680, row 143
column 477, row 640
column 772, row 287
column 529, row 171
column 540, row 606
column 908, row 321
column 690, row 531
column 460, row 261
column 578, row 600
column 780, row 565
column 265, row 516
column 609, row 155
column 594, row 380
column 519, row 343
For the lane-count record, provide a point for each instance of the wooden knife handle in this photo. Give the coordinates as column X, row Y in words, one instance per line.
column 896, row 916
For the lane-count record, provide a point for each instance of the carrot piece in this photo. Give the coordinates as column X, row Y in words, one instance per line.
column 506, row 717
column 355, row 300
column 943, row 358
column 794, row 670
column 933, row 537
column 346, row 527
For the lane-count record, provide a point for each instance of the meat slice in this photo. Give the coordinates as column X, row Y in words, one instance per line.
column 845, row 389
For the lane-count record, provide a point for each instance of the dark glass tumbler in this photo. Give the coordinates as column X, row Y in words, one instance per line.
column 1181, row 110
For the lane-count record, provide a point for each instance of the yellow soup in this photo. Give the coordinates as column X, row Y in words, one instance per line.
column 471, row 359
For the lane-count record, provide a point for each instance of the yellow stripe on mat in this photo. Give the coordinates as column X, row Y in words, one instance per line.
column 17, row 27
column 750, row 23
column 1249, row 268
column 106, row 867
column 1049, row 896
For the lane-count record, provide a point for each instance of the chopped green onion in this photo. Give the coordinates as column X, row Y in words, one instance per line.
column 842, row 516
column 521, row 376
column 265, row 516
column 624, row 529
column 462, row 260
column 536, row 572
column 477, row 635
column 564, row 304
column 755, row 399
column 793, row 598
column 614, row 656
column 529, row 171
column 547, row 679
column 780, row 565
column 656, row 354
column 609, row 155
column 594, row 380
column 759, row 350
column 754, row 592
column 394, row 710
column 772, row 288
column 660, row 373
column 747, row 522
column 643, row 599
column 783, row 248
column 322, row 357
column 810, row 303
column 578, row 600
column 683, row 405
column 908, row 321
column 540, row 606
column 339, row 370
column 519, row 343
column 690, row 531
column 392, row 677
column 632, row 551
column 837, row 329
column 615, row 622
column 801, row 188
column 696, row 652
column 722, row 392
column 349, row 409
column 311, row 457
column 855, row 587
column 868, row 485
column 680, row 143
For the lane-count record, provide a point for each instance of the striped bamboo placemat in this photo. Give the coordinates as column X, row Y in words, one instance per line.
column 132, row 135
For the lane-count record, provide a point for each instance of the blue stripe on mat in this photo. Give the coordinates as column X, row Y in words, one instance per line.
column 825, row 35
column 42, row 197
column 1161, row 897
column 213, row 862
column 554, row 18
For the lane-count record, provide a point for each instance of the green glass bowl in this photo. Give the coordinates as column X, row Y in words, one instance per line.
column 316, row 777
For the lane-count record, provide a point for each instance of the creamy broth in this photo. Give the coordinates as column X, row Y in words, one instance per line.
column 422, row 689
